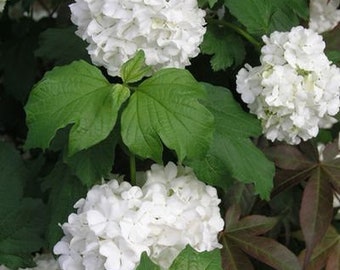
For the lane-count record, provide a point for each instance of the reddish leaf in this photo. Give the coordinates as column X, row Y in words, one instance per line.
column 286, row 179
column 242, row 194
column 267, row 251
column 288, row 157
column 334, row 258
column 316, row 211
column 233, row 258
column 322, row 252
column 331, row 151
column 232, row 216
column 310, row 151
column 332, row 170
column 253, row 225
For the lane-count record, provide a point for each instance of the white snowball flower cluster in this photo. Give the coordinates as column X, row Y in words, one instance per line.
column 324, row 15
column 117, row 222
column 295, row 90
column 43, row 261
column 2, row 5
column 168, row 31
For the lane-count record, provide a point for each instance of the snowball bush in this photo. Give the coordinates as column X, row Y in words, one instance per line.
column 168, row 31
column 2, row 5
column 295, row 90
column 324, row 15
column 116, row 222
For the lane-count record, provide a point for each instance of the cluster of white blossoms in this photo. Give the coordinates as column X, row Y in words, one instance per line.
column 295, row 90
column 117, row 222
column 168, row 31
column 324, row 15
column 2, row 5
column 43, row 261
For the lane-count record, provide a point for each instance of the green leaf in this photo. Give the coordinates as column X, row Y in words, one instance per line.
column 231, row 150
column 286, row 14
column 146, row 263
column 226, row 47
column 20, row 67
column 283, row 20
column 65, row 191
column 22, row 228
column 333, row 56
column 75, row 94
column 298, row 7
column 62, row 46
column 12, row 177
column 15, row 261
column 165, row 108
column 22, row 219
column 92, row 164
column 316, row 210
column 253, row 14
column 190, row 259
column 205, row 3
column 135, row 68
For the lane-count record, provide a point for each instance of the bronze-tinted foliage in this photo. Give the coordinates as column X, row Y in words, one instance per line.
column 242, row 236
column 319, row 175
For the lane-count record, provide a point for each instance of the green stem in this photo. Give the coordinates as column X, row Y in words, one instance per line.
column 238, row 30
column 133, row 169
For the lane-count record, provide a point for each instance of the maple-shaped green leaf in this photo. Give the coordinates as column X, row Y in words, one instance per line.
column 64, row 191
column 231, row 151
column 333, row 56
column 255, row 15
column 316, row 210
column 226, row 48
column 135, row 68
column 22, row 219
column 190, row 259
column 298, row 7
column 243, row 236
column 146, row 263
column 92, row 164
column 76, row 94
column 324, row 252
column 286, row 14
column 205, row 3
column 165, row 109
column 62, row 46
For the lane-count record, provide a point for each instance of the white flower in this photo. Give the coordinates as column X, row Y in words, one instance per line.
column 2, row 5
column 324, row 15
column 168, row 31
column 295, row 91
column 116, row 222
column 43, row 261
